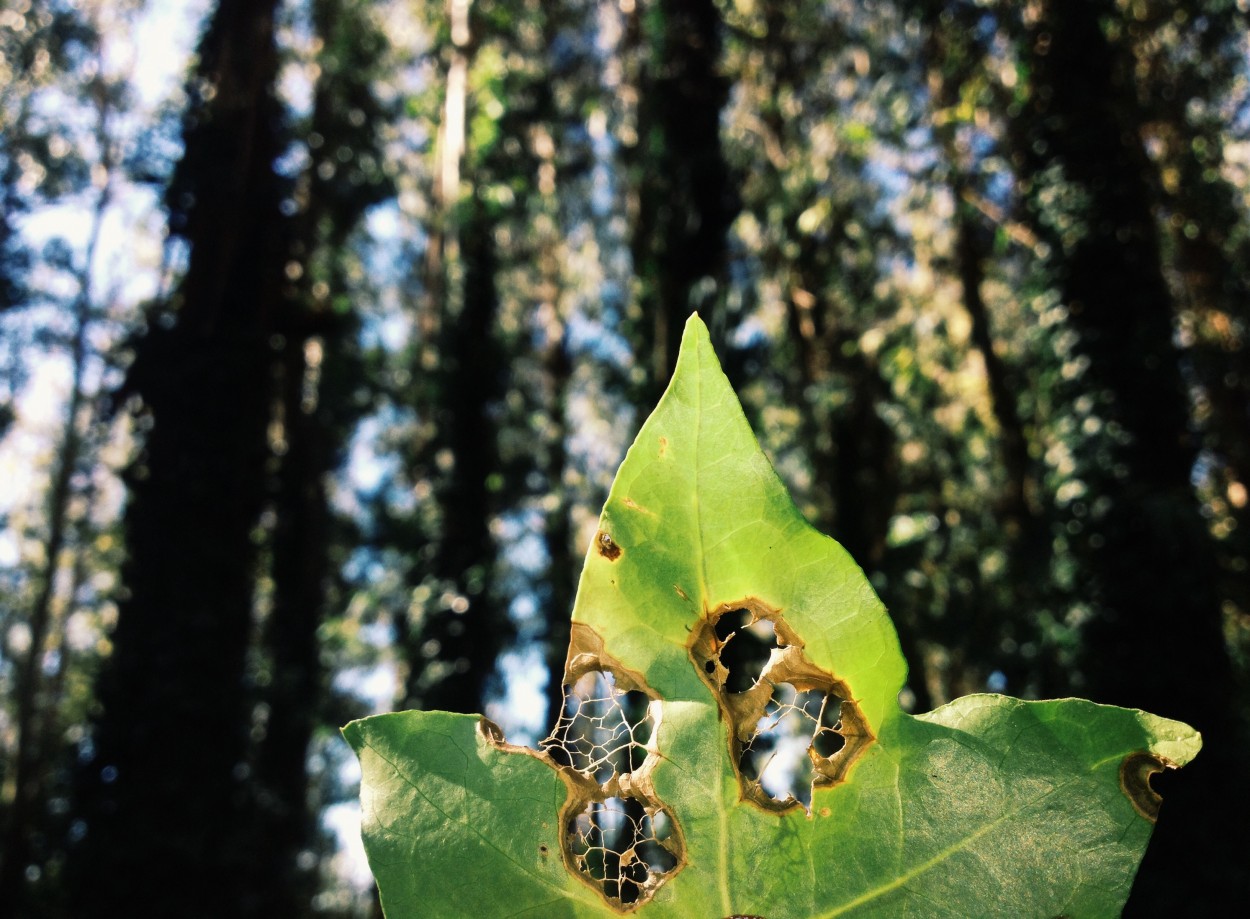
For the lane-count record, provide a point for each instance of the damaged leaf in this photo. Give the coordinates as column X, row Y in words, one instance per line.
column 732, row 743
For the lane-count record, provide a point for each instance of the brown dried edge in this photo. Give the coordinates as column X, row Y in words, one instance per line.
column 1135, row 772
column 742, row 711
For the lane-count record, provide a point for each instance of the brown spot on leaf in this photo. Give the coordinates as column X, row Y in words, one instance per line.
column 1135, row 772
column 607, row 548
column 681, row 593
column 663, row 445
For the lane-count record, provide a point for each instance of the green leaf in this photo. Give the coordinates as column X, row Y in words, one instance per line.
column 669, row 788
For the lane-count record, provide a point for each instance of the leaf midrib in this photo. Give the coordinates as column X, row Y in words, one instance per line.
column 722, row 813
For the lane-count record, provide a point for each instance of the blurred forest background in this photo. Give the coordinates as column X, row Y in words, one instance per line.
column 326, row 322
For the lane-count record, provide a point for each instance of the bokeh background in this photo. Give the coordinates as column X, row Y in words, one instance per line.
column 326, row 322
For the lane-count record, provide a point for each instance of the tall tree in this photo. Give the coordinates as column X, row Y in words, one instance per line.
column 163, row 781
column 36, row 697
column 317, row 373
column 451, row 640
column 64, row 315
column 964, row 63
column 681, row 201
column 1190, row 73
column 1152, row 565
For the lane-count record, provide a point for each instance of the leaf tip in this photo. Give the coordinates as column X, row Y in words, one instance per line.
column 695, row 326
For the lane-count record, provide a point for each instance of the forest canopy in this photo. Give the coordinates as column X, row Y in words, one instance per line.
column 324, row 324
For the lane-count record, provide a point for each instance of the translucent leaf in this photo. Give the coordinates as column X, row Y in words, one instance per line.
column 732, row 743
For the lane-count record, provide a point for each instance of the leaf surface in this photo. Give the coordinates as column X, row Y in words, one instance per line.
column 986, row 806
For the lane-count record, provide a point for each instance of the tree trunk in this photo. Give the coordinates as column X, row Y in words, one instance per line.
column 1156, row 640
column 38, row 703
column 683, row 204
column 468, row 624
column 163, row 789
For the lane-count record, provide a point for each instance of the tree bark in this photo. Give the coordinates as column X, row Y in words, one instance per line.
column 163, row 787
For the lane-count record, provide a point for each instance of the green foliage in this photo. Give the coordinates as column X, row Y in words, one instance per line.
column 656, row 793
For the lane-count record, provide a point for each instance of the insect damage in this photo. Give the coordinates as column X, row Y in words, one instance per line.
column 606, row 547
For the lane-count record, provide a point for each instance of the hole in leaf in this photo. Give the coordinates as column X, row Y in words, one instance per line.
column 776, row 755
column 828, row 739
column 793, row 726
column 624, row 846
column 745, row 647
column 615, row 834
column 603, row 730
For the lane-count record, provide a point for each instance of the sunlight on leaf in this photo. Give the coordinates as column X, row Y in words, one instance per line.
column 732, row 742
